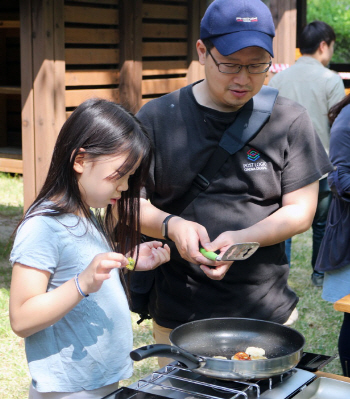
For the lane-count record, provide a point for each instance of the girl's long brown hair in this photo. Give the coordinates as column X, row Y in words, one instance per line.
column 99, row 127
column 335, row 110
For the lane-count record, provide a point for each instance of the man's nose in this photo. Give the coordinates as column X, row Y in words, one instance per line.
column 242, row 77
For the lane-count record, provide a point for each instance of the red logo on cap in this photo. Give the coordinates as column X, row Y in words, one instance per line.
column 247, row 19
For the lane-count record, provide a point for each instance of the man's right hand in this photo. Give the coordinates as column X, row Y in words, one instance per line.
column 188, row 236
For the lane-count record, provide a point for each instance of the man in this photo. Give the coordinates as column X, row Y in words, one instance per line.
column 266, row 192
column 317, row 88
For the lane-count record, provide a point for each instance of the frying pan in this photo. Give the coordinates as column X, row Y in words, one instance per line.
column 196, row 344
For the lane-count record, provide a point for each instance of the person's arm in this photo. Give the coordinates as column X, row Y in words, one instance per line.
column 335, row 91
column 32, row 308
column 294, row 217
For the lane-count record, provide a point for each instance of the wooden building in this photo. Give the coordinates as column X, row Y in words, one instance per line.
column 57, row 53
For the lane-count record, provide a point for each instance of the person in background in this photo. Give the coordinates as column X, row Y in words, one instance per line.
column 310, row 83
column 266, row 192
column 67, row 296
column 334, row 256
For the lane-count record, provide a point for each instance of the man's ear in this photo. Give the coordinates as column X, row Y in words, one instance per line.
column 201, row 51
column 79, row 161
column 323, row 46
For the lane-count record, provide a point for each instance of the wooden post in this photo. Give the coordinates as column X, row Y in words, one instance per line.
column 301, row 17
column 130, row 64
column 284, row 15
column 196, row 12
column 3, row 105
column 42, row 76
column 28, row 153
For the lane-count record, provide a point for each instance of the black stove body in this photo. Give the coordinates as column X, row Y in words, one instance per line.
column 175, row 382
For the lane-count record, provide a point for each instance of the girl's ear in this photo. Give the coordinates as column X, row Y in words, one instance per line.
column 79, row 161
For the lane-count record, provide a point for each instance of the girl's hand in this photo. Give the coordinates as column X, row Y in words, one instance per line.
column 92, row 278
column 151, row 255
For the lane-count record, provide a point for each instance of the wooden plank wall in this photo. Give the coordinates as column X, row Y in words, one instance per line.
column 165, row 29
column 91, row 51
column 129, row 51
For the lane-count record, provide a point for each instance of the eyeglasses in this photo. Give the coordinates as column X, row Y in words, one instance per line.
column 235, row 68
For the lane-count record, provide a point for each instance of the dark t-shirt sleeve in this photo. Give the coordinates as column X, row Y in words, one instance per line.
column 307, row 160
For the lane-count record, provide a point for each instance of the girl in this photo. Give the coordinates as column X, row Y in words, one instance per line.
column 67, row 295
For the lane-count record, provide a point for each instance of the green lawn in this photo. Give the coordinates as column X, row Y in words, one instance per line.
column 318, row 321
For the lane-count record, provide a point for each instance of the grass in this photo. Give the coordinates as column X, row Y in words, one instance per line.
column 318, row 321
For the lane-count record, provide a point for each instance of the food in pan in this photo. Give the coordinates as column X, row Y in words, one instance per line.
column 241, row 356
column 131, row 264
column 251, row 353
column 256, row 353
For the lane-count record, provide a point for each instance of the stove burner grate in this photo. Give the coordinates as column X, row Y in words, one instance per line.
column 228, row 388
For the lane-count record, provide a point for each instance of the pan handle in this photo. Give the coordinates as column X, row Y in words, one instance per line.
column 161, row 350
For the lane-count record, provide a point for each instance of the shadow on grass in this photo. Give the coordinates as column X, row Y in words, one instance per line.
column 10, row 210
column 5, row 267
column 9, row 217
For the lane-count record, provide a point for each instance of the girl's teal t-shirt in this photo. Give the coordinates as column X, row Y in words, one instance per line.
column 89, row 347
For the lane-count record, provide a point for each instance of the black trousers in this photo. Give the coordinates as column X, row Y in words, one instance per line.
column 344, row 345
column 320, row 219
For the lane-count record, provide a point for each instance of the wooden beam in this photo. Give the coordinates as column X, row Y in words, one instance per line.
column 160, row 67
column 94, row 1
column 162, row 86
column 151, row 30
column 196, row 11
column 84, row 15
column 9, row 24
column 92, row 56
column 160, row 11
column 44, row 86
column 284, row 16
column 9, row 165
column 10, row 90
column 99, row 77
column 3, row 102
column 343, row 304
column 301, row 18
column 42, row 76
column 3, row 121
column 59, row 65
column 27, row 92
column 91, row 36
column 75, row 97
column 131, row 54
column 158, row 49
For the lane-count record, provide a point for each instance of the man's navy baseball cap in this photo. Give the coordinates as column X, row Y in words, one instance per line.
column 232, row 25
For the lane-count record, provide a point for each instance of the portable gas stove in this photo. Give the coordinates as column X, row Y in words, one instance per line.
column 176, row 382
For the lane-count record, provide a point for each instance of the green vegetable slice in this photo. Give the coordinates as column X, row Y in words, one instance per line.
column 131, row 264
